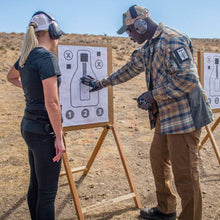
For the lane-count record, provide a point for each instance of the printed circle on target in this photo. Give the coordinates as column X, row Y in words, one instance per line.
column 209, row 59
column 68, row 55
column 99, row 112
column 85, row 113
column 69, row 114
column 98, row 64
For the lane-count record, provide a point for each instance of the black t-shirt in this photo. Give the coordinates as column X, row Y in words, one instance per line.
column 40, row 64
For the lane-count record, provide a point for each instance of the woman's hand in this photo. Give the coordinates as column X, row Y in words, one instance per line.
column 60, row 149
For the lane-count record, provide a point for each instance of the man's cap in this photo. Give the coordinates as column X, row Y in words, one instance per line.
column 129, row 19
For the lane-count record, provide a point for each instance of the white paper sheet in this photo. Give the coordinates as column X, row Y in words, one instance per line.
column 79, row 106
column 212, row 78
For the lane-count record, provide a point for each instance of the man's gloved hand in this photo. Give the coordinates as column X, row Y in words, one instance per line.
column 144, row 105
column 92, row 82
column 145, row 100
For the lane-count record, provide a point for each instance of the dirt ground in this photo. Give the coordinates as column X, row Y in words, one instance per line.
column 106, row 179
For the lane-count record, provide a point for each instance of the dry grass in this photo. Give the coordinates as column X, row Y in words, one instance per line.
column 106, row 178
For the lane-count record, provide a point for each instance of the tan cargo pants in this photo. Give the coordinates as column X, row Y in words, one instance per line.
column 179, row 152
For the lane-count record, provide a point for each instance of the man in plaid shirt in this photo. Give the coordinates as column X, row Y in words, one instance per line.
column 177, row 106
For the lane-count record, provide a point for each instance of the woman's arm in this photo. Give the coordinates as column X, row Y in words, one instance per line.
column 14, row 77
column 54, row 112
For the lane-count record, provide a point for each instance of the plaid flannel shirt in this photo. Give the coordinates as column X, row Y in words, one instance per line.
column 168, row 62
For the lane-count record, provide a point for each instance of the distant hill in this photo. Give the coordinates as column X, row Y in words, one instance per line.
column 122, row 47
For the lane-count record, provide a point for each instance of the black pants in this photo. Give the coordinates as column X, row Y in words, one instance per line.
column 44, row 174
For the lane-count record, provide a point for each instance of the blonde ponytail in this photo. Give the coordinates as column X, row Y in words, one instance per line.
column 29, row 43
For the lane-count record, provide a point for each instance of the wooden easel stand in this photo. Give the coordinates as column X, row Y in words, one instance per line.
column 212, row 139
column 85, row 169
column 207, row 135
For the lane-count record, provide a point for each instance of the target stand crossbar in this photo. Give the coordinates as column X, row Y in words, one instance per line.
column 212, row 139
column 85, row 169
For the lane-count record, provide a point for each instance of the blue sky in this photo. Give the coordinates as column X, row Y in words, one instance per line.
column 197, row 18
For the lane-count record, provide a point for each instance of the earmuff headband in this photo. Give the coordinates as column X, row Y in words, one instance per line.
column 133, row 11
column 42, row 12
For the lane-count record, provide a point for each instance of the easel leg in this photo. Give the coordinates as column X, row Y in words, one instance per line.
column 133, row 194
column 73, row 187
column 210, row 134
column 127, row 171
column 96, row 150
column 207, row 136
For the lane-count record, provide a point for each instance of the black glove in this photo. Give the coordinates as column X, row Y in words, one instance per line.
column 92, row 82
column 145, row 100
column 144, row 105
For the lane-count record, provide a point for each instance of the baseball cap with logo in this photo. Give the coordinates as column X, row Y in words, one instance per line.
column 128, row 18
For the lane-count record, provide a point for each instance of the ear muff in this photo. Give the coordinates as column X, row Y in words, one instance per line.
column 54, row 29
column 140, row 25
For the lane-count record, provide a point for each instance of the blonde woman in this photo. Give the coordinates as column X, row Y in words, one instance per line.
column 38, row 74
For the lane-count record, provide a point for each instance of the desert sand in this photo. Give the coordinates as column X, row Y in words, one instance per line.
column 106, row 178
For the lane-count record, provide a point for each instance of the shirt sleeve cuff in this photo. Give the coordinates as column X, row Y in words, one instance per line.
column 158, row 94
column 105, row 82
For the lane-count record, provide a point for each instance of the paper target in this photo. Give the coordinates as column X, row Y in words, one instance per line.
column 212, row 78
column 79, row 106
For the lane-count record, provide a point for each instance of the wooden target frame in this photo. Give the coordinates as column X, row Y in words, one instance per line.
column 209, row 130
column 85, row 169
